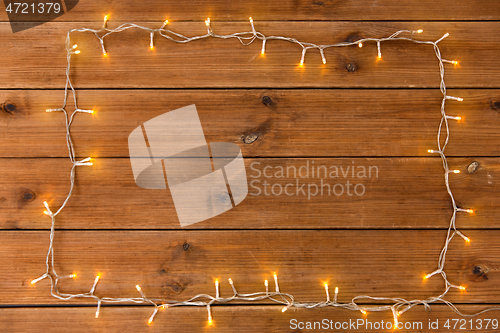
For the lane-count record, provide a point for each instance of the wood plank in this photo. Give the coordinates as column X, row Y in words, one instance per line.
column 39, row 59
column 408, row 193
column 180, row 264
column 226, row 319
column 286, row 122
column 93, row 10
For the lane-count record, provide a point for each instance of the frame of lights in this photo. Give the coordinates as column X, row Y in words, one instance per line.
column 398, row 306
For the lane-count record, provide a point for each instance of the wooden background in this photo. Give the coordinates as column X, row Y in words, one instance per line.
column 353, row 108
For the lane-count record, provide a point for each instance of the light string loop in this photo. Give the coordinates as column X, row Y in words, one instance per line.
column 399, row 305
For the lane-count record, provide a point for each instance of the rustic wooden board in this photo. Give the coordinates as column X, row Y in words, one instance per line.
column 408, row 193
column 226, row 319
column 309, row 10
column 180, row 264
column 262, row 122
column 40, row 59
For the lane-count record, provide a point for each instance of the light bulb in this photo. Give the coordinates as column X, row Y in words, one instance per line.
column 360, row 45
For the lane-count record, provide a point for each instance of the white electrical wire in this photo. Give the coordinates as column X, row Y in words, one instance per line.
column 398, row 306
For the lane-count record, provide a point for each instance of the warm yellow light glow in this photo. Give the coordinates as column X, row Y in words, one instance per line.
column 360, row 45
column 427, row 276
column 207, row 21
column 74, row 46
column 284, row 309
column 150, row 321
column 419, row 31
column 106, row 17
column 266, row 283
column 467, row 239
column 379, row 57
column 398, row 313
column 73, row 276
column 461, row 288
column 470, row 211
column 456, row 171
column 105, row 55
column 326, row 285
column 33, row 281
column 336, row 290
column 210, row 321
column 166, row 22
column 97, row 314
column 77, row 52
column 460, row 99
column 251, row 20
column 301, row 63
column 324, row 61
column 363, row 312
column 46, row 212
column 230, row 281
column 454, row 62
column 138, row 287
column 262, row 52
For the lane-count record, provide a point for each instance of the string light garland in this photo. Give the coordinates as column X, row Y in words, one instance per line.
column 398, row 306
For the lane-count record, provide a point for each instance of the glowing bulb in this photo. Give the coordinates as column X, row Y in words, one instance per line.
column 138, row 287
column 97, row 314
column 326, row 285
column 460, row 99
column 284, row 309
column 470, row 211
column 456, row 171
column 77, row 52
column 74, row 46
column 151, row 47
column 336, row 290
column 166, row 22
column 210, row 321
column 461, row 288
column 454, row 62
column 301, row 63
column 105, row 55
column 46, row 212
column 324, row 61
column 262, row 52
column 251, row 20
column 427, row 276
column 467, row 239
column 379, row 57
column 207, row 21
column 266, row 283
column 150, row 321
column 398, row 313
column 72, row 276
column 106, row 17
column 230, row 281
column 360, row 45
column 419, row 31
column 363, row 311
column 33, row 281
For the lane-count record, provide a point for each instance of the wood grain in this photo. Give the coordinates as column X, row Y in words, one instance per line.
column 408, row 193
column 180, row 264
column 263, row 122
column 226, row 319
column 40, row 59
column 309, row 10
